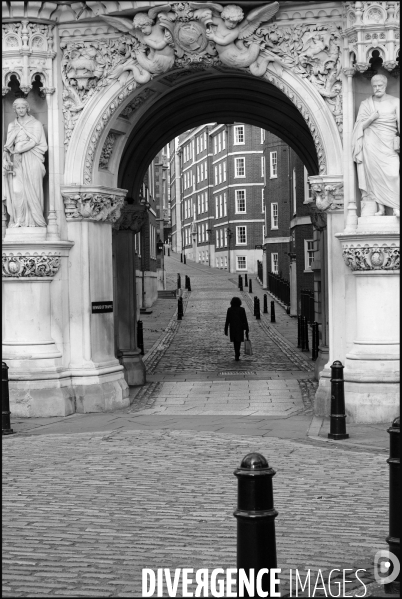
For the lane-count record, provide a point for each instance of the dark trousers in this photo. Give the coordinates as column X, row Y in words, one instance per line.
column 237, row 345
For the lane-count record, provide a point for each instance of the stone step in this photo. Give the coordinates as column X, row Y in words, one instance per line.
column 167, row 293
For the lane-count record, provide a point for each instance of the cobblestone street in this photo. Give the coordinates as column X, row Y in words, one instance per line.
column 89, row 500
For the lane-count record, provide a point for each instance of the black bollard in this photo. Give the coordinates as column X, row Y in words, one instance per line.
column 303, row 333
column 255, row 306
column 314, row 341
column 5, row 402
column 250, row 286
column 306, row 334
column 245, row 280
column 140, row 336
column 273, row 311
column 178, row 281
column 168, row 251
column 265, row 303
column 299, row 333
column 241, row 284
column 181, row 257
column 258, row 310
column 255, row 513
column 185, row 282
column 184, row 259
column 189, row 284
column 180, row 308
column 393, row 538
column 337, row 427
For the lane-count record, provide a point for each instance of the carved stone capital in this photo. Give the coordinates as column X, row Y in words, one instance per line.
column 98, row 203
column 362, row 66
column 390, row 65
column 132, row 218
column 371, row 251
column 327, row 191
column 349, row 71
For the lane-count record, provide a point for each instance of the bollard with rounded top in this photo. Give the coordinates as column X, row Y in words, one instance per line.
column 178, row 281
column 181, row 257
column 255, row 306
column 258, row 310
column 394, row 537
column 245, row 280
column 180, row 308
column 189, row 284
column 140, row 337
column 168, row 251
column 5, row 402
column 265, row 303
column 240, row 283
column 255, row 513
column 273, row 311
column 184, row 259
column 250, row 286
column 337, row 427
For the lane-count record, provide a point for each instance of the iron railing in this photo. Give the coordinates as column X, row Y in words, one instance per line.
column 307, row 305
column 279, row 287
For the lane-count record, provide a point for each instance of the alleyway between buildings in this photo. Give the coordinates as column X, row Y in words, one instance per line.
column 89, row 500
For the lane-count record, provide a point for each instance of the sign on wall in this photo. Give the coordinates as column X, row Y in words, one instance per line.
column 102, row 307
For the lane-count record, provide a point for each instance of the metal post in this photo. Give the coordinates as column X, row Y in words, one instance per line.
column 255, row 513
column 184, row 259
column 178, row 281
column 273, row 311
column 240, row 283
column 265, row 303
column 250, row 286
column 180, row 308
column 245, row 280
column 255, row 306
column 337, row 428
column 314, row 335
column 140, row 336
column 299, row 334
column 5, row 402
column 393, row 538
column 181, row 257
column 306, row 333
column 304, row 341
column 168, row 251
column 258, row 310
column 189, row 284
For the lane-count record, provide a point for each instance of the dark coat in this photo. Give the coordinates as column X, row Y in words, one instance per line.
column 236, row 320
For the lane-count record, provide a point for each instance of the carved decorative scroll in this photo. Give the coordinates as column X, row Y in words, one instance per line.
column 371, row 257
column 28, row 266
column 95, row 204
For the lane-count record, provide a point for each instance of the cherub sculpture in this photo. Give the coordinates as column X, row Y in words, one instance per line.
column 155, row 52
column 227, row 27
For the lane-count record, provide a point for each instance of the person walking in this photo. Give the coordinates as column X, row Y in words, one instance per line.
column 236, row 320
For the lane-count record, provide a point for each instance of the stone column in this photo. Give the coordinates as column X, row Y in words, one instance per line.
column 97, row 376
column 372, row 362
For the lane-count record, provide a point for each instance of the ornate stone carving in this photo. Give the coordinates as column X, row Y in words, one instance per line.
column 327, row 192
column 92, row 205
column 375, row 150
column 27, row 266
column 103, row 121
column 318, row 218
column 23, row 176
column 371, row 257
column 132, row 218
column 27, row 53
column 107, row 150
column 136, row 103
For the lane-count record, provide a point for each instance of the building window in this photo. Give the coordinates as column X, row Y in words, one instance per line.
column 273, row 162
column 205, row 140
column 198, row 145
column 274, row 263
column 308, row 253
column 307, row 189
column 226, row 237
column 215, row 144
column 226, row 261
column 220, row 206
column 219, row 143
column 203, row 232
column 217, row 262
column 206, row 201
column 224, row 170
column 223, row 140
column 241, row 235
column 274, row 215
column 262, row 166
column 262, row 135
column 217, row 238
column 225, row 205
column 198, row 234
column 199, row 204
column 240, row 167
column 241, row 262
column 239, row 134
column 220, row 172
column 205, row 170
column 202, row 203
column 294, row 191
column 216, row 175
column 216, row 207
column 263, row 200
column 240, row 200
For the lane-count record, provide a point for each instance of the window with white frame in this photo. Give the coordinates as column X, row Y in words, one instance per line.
column 294, row 191
column 223, row 140
column 274, row 215
column 198, row 234
column 216, row 175
column 240, row 167
column 203, row 232
column 198, row 145
column 201, row 143
column 206, row 201
column 205, row 170
column 217, row 238
column 241, row 262
column 263, row 200
column 262, row 135
column 226, row 261
column 221, row 237
column 262, row 166
column 226, row 237
column 202, row 171
column 205, row 140
column 202, row 203
column 216, row 207
column 225, row 205
column 198, row 173
column 274, row 262
column 241, row 235
column 224, row 170
column 240, row 201
column 220, row 173
column 308, row 198
column 221, row 262
column 273, row 164
column 308, row 253
column 199, row 256
column 238, row 134
column 215, row 144
column 220, row 206
column 199, row 204
column 219, row 142
column 217, row 262
column 263, row 234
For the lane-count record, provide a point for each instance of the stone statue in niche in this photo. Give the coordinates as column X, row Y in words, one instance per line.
column 375, row 149
column 23, row 174
column 230, row 31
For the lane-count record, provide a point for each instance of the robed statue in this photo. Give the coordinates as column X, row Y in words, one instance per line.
column 23, row 168
column 376, row 147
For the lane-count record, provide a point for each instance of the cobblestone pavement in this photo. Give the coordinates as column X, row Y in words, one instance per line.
column 90, row 500
column 84, row 513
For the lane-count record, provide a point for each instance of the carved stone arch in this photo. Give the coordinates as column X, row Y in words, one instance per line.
column 101, row 112
column 380, row 49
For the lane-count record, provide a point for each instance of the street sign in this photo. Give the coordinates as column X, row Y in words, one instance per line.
column 102, row 307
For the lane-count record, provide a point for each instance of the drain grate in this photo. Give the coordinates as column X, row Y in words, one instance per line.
column 239, row 372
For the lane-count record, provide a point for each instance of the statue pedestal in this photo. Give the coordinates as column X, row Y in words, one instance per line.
column 24, row 234
column 372, row 360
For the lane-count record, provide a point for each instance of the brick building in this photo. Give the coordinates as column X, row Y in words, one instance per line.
column 217, row 182
column 289, row 240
